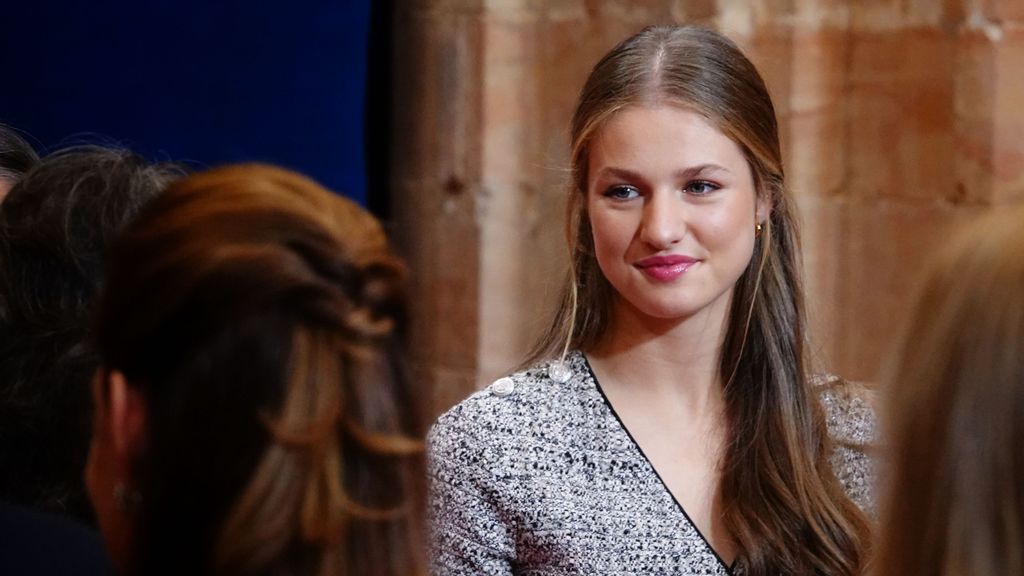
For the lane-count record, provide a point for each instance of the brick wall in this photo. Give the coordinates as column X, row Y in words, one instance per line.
column 900, row 118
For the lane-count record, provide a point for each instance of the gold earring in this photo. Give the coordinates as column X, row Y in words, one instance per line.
column 757, row 229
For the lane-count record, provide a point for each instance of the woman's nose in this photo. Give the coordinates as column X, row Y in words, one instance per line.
column 663, row 221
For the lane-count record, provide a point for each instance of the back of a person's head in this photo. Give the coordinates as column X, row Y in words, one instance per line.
column 16, row 158
column 55, row 227
column 956, row 413
column 256, row 313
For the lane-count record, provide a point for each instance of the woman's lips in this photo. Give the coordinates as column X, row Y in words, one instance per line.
column 665, row 268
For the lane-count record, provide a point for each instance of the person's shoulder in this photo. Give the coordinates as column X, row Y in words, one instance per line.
column 508, row 407
column 527, row 392
column 849, row 408
column 33, row 542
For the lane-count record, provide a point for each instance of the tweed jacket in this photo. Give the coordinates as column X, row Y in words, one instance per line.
column 537, row 475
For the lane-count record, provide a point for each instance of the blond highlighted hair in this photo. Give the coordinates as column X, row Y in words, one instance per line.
column 783, row 504
column 259, row 314
column 955, row 502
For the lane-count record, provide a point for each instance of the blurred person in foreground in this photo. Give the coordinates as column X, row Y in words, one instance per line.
column 955, row 502
column 56, row 226
column 252, row 413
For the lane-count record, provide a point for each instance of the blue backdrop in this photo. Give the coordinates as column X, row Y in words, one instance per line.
column 202, row 81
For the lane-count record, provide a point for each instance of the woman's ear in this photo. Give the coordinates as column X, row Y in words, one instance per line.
column 126, row 417
column 119, row 438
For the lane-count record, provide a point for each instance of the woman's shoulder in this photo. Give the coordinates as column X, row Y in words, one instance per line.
column 512, row 405
column 849, row 408
column 852, row 422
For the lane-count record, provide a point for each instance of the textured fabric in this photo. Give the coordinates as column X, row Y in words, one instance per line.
column 536, row 475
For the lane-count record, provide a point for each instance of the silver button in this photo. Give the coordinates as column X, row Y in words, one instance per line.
column 559, row 372
column 502, row 386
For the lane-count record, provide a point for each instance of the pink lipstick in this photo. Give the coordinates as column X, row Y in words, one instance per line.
column 665, row 268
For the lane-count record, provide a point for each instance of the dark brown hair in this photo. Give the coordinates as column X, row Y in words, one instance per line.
column 56, row 226
column 783, row 504
column 16, row 155
column 955, row 503
column 259, row 316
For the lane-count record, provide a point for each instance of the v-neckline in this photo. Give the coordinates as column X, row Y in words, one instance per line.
column 707, row 543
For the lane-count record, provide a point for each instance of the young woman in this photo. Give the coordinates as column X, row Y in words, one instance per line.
column 252, row 416
column 955, row 503
column 666, row 424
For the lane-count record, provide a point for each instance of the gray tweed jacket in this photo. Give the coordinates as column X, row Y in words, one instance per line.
column 537, row 475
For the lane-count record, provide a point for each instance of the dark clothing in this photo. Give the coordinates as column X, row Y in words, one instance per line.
column 36, row 543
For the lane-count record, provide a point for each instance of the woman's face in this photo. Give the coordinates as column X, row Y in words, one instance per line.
column 673, row 210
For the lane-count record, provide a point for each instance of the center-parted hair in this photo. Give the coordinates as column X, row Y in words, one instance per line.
column 782, row 501
column 260, row 316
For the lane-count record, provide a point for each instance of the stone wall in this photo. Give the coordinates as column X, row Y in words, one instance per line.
column 900, row 118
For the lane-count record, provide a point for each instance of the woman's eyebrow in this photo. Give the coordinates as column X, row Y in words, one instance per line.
column 620, row 173
column 684, row 173
column 701, row 170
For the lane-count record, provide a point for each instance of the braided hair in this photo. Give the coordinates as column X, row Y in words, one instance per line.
column 260, row 317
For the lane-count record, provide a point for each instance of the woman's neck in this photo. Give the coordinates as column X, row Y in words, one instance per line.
column 674, row 360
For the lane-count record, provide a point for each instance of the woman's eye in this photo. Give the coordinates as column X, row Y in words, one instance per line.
column 700, row 187
column 622, row 192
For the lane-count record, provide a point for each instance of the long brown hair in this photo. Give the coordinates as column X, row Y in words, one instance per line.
column 955, row 420
column 782, row 501
column 259, row 316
